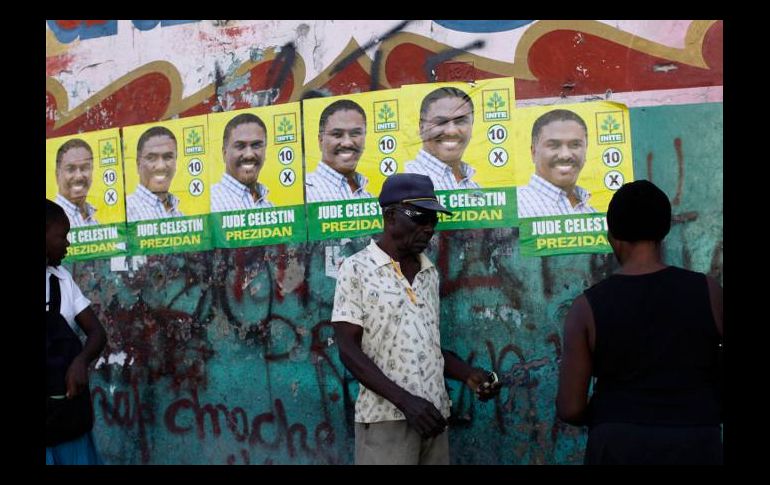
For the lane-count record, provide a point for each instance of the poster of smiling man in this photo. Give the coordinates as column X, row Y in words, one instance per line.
column 84, row 175
column 460, row 135
column 570, row 160
column 352, row 144
column 256, row 175
column 167, row 186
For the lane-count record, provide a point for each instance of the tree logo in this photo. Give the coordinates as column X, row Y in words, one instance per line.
column 386, row 113
column 285, row 128
column 108, row 152
column 496, row 104
column 610, row 127
column 193, row 140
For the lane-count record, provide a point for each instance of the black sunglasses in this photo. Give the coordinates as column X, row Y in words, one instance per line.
column 418, row 217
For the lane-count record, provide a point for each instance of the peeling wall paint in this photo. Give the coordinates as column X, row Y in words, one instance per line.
column 227, row 356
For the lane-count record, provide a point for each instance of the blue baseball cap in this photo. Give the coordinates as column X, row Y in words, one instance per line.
column 410, row 188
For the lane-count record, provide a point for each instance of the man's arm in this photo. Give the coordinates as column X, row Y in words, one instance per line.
column 715, row 295
column 77, row 373
column 575, row 371
column 473, row 377
column 420, row 413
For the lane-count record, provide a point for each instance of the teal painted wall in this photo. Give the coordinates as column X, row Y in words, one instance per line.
column 227, row 356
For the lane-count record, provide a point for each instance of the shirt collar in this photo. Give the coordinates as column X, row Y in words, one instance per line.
column 555, row 193
column 72, row 208
column 56, row 271
column 233, row 184
column 438, row 166
column 381, row 258
column 151, row 198
column 329, row 173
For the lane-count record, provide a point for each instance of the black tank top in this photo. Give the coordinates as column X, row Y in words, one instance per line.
column 656, row 350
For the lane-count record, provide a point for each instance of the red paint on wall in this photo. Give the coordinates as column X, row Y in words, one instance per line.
column 57, row 64
column 143, row 100
column 595, row 65
column 562, row 67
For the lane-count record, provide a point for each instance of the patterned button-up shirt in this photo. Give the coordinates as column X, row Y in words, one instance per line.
column 326, row 184
column 441, row 173
column 401, row 328
column 541, row 198
column 75, row 216
column 229, row 195
column 143, row 205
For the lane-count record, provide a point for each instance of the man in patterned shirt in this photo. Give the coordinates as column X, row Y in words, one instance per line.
column 74, row 174
column 341, row 136
column 446, row 123
column 386, row 322
column 156, row 162
column 243, row 151
column 559, row 144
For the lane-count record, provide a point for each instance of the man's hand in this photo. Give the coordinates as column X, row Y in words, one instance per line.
column 479, row 382
column 423, row 416
column 77, row 377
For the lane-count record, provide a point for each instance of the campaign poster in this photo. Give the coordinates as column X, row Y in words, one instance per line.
column 84, row 175
column 352, row 144
column 570, row 160
column 461, row 136
column 167, row 186
column 256, row 177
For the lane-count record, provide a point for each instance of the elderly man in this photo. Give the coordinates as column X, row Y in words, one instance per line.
column 386, row 321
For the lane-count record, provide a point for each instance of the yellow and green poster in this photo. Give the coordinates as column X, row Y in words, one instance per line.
column 570, row 159
column 256, row 177
column 84, row 175
column 167, row 186
column 352, row 144
column 467, row 149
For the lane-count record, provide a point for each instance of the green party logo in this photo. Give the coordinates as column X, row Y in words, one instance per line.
column 387, row 115
column 285, row 128
column 610, row 127
column 193, row 140
column 496, row 104
column 108, row 152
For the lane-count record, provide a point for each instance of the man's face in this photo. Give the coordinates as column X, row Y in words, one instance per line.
column 157, row 163
column 74, row 174
column 412, row 228
column 56, row 242
column 244, row 153
column 560, row 153
column 446, row 129
column 342, row 140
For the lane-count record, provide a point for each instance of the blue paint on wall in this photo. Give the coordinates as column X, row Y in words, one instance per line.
column 110, row 27
column 83, row 31
column 483, row 26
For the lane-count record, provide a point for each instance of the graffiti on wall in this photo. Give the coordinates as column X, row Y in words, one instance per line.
column 592, row 57
column 165, row 347
column 228, row 357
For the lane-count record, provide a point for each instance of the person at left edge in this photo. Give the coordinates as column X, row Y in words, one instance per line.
column 76, row 310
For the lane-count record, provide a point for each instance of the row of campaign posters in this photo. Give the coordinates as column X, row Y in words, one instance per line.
column 313, row 170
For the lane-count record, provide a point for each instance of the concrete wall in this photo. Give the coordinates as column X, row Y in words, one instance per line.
column 227, row 356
